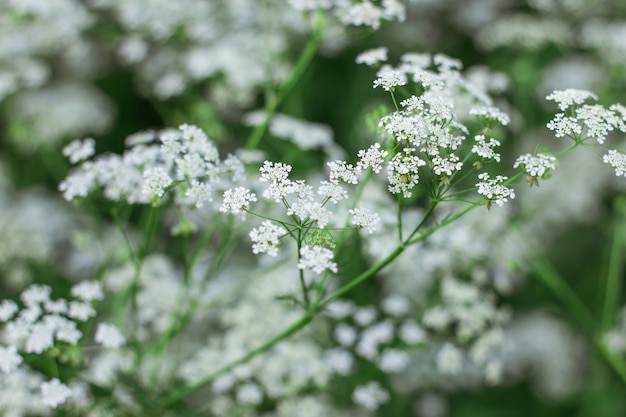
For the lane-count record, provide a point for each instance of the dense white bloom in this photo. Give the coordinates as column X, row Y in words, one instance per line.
column 485, row 149
column 236, row 200
column 345, row 335
column 55, row 393
column 79, row 150
column 9, row 359
column 8, row 308
column 370, row 395
column 340, row 171
column 364, row 218
column 494, row 189
column 372, row 56
column 155, row 181
column 364, row 316
column 389, row 79
column 88, row 291
column 36, row 294
column 449, row 359
column 491, row 113
column 200, row 192
column 598, row 121
column 446, row 165
column 372, row 157
column 536, row 165
column 249, row 393
column 395, row 305
column 316, row 258
column 81, row 311
column 403, row 172
column 393, row 360
column 617, row 161
column 564, row 125
column 109, row 335
column 266, row 238
column 332, row 191
column 411, row 333
column 339, row 360
column 570, row 97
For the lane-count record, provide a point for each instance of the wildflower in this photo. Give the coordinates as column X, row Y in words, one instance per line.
column 200, row 192
column 364, row 218
column 317, row 258
column 79, row 150
column 484, row 149
column 494, row 190
column 564, row 126
column 570, row 97
column 109, row 336
column 372, row 56
column 449, row 359
column 88, row 291
column 491, row 113
column 55, row 393
column 8, row 308
column 372, row 157
column 155, row 181
column 393, row 360
column 536, row 166
column 340, row 171
column 9, row 359
column 370, row 395
column 236, row 200
column 389, row 79
column 265, row 238
column 617, row 161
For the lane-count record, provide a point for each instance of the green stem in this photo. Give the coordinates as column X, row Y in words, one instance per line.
column 612, row 291
column 302, row 64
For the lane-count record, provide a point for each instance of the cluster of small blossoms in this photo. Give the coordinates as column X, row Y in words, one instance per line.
column 494, row 189
column 43, row 323
column 536, row 166
column 299, row 201
column 185, row 157
column 382, row 336
column 476, row 319
column 581, row 122
column 427, row 128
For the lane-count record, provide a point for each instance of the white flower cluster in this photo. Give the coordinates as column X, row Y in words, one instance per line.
column 477, row 319
column 43, row 323
column 494, row 189
column 428, row 127
column 582, row 121
column 144, row 173
column 538, row 165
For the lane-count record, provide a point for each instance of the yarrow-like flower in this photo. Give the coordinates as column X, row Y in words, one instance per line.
column 79, row 150
column 494, row 189
column 372, row 56
column 364, row 218
column 370, row 395
column 317, row 258
column 236, row 200
column 485, row 149
column 109, row 336
column 372, row 157
column 266, row 238
column 55, row 393
column 617, row 161
column 536, row 165
column 569, row 97
column 389, row 79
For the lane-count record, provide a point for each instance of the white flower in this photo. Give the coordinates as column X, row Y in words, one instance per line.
column 81, row 311
column 491, row 113
column 340, row 171
column 393, row 360
column 536, row 166
column 569, row 97
column 9, row 359
column 339, row 360
column 364, row 218
column 236, row 200
column 370, row 395
column 88, row 291
column 55, row 393
column 265, row 238
column 484, row 149
column 317, row 258
column 617, row 161
column 564, row 125
column 155, row 181
column 36, row 294
column 494, row 190
column 249, row 393
column 449, row 359
column 389, row 78
column 108, row 335
column 372, row 56
column 79, row 150
column 372, row 157
column 8, row 308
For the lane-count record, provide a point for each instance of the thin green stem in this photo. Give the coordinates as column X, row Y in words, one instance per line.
column 613, row 279
column 301, row 65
